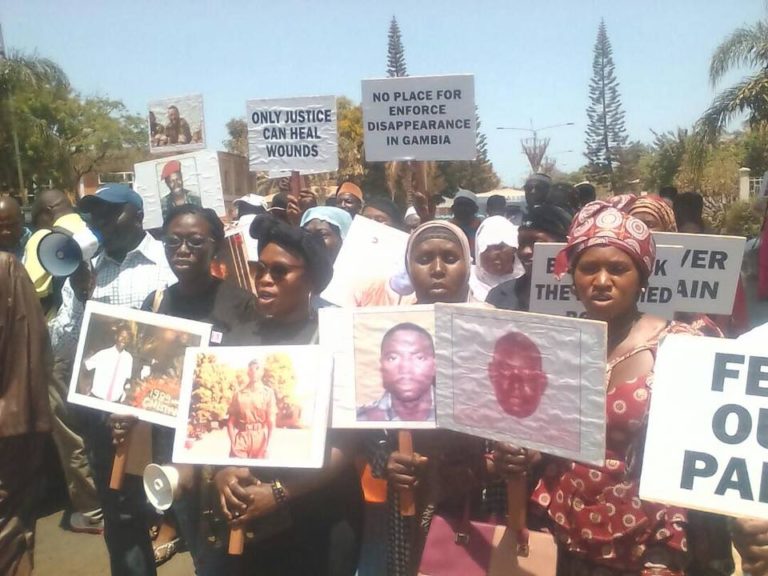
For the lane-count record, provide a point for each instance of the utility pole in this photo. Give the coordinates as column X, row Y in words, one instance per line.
column 533, row 148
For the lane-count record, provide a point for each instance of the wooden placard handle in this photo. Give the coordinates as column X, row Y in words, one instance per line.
column 517, row 508
column 118, row 464
column 405, row 446
column 295, row 183
column 236, row 541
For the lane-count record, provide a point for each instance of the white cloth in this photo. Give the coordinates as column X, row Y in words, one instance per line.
column 492, row 231
column 127, row 283
column 757, row 335
column 111, row 369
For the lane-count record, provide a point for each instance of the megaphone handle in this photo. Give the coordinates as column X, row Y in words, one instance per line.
column 118, row 464
column 405, row 446
column 236, row 541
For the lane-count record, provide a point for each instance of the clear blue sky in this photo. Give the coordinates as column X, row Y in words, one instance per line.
column 532, row 60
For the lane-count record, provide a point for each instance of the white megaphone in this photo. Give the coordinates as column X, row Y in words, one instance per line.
column 161, row 484
column 61, row 252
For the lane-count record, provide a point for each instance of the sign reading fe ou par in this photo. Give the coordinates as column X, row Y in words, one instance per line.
column 290, row 134
column 420, row 118
column 713, row 457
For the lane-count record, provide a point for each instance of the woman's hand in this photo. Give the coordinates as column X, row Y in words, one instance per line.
column 121, row 426
column 262, row 502
column 750, row 538
column 509, row 460
column 232, row 484
column 403, row 471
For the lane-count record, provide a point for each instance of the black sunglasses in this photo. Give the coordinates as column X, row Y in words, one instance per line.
column 194, row 243
column 277, row 272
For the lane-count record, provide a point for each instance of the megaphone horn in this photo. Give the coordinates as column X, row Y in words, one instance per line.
column 161, row 485
column 61, row 251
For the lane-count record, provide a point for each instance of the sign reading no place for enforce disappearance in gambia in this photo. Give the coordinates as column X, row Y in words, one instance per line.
column 707, row 442
column 293, row 134
column 420, row 118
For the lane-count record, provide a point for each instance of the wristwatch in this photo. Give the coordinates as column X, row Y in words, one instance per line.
column 279, row 493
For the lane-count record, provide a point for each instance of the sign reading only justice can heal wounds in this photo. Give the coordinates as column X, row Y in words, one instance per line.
column 293, row 134
column 420, row 118
column 706, row 447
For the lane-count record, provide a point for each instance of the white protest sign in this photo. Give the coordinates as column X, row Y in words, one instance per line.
column 293, row 134
column 706, row 446
column 176, row 124
column 550, row 296
column 420, row 118
column 710, row 271
column 533, row 380
column 192, row 178
column 372, row 255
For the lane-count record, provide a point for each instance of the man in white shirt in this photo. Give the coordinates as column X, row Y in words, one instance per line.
column 111, row 367
column 129, row 267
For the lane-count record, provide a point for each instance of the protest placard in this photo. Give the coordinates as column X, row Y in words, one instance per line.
column 176, row 124
column 552, row 296
column 420, row 118
column 129, row 361
column 293, row 134
column 384, row 366
column 710, row 269
column 254, row 406
column 533, row 380
column 707, row 436
column 370, row 267
column 184, row 179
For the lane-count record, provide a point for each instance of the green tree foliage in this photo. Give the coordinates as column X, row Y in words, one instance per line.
column 237, row 143
column 745, row 47
column 666, row 158
column 395, row 52
column 743, row 219
column 606, row 133
column 350, row 125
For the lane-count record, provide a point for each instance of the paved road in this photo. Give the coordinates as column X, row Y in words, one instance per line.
column 63, row 553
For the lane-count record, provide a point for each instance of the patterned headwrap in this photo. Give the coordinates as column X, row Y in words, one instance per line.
column 655, row 206
column 601, row 224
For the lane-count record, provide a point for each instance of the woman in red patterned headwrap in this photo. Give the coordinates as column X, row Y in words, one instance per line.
column 595, row 513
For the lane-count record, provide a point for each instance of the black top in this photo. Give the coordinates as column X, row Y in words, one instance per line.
column 510, row 295
column 321, row 530
column 226, row 306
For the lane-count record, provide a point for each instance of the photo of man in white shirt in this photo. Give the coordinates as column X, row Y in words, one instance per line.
column 111, row 367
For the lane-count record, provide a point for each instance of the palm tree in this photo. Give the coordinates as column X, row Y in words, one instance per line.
column 31, row 71
column 746, row 46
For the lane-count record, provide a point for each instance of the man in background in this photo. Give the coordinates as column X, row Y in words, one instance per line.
column 349, row 197
column 13, row 234
column 496, row 206
column 464, row 211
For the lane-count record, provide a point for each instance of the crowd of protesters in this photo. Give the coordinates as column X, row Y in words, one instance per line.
column 344, row 518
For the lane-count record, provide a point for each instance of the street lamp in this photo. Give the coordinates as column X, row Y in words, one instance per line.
column 534, row 149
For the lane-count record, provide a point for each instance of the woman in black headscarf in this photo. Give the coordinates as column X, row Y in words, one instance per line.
column 543, row 223
column 322, row 507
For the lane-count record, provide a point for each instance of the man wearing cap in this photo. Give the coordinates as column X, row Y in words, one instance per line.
column 464, row 211
column 129, row 267
column 536, row 189
column 349, row 197
column 177, row 194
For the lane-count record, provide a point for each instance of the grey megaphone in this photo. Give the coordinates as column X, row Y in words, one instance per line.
column 164, row 484
column 62, row 251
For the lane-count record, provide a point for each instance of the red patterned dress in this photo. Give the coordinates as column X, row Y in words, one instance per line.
column 599, row 521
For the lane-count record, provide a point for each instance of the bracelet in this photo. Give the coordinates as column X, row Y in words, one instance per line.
column 279, row 493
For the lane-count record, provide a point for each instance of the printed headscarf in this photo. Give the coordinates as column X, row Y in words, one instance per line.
column 601, row 224
column 336, row 217
column 655, row 206
column 438, row 229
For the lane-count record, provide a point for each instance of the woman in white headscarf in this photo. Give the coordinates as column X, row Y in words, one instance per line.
column 497, row 260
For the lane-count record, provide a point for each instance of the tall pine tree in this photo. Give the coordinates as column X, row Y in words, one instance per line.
column 395, row 52
column 606, row 134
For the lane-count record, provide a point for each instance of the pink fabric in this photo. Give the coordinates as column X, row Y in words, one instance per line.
column 600, row 223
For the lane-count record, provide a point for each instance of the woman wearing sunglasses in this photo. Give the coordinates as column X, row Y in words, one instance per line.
column 313, row 515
